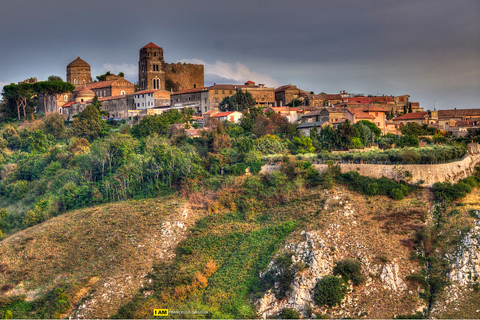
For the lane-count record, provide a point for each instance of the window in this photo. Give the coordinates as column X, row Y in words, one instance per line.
column 231, row 91
column 122, row 93
column 194, row 85
column 75, row 81
column 65, row 98
column 216, row 91
column 154, row 84
column 376, row 114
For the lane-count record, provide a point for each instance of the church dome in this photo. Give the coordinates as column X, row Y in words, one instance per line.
column 84, row 95
column 78, row 63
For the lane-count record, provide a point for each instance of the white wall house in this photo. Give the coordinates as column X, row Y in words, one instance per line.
column 144, row 99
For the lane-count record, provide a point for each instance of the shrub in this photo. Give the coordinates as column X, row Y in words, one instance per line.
column 350, row 269
column 329, row 291
column 289, row 313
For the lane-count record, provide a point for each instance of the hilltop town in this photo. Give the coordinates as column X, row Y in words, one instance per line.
column 122, row 200
column 165, row 86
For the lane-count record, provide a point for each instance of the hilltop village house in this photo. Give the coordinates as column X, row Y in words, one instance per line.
column 206, row 99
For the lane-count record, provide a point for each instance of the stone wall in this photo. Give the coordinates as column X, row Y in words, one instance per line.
column 428, row 173
column 185, row 76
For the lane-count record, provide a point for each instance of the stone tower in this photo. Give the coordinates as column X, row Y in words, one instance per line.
column 78, row 72
column 151, row 68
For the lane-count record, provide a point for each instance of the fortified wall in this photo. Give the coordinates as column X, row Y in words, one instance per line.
column 185, row 76
column 428, row 173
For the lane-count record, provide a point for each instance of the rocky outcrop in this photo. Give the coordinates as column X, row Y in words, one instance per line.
column 464, row 274
column 320, row 250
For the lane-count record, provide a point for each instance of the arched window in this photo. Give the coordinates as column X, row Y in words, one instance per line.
column 65, row 98
column 122, row 93
column 154, row 83
column 74, row 81
column 158, row 83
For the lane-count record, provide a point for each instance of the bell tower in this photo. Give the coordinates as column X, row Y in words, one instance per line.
column 151, row 68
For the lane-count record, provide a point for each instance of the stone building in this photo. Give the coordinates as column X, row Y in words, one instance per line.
column 155, row 74
column 285, row 94
column 78, row 72
column 205, row 99
column 184, row 76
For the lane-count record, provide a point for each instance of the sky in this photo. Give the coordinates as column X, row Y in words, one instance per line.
column 429, row 49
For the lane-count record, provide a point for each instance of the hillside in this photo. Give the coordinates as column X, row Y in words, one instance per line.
column 210, row 251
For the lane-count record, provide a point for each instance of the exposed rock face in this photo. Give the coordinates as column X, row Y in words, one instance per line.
column 464, row 273
column 343, row 237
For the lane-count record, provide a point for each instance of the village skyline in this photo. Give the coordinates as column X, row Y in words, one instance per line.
column 426, row 49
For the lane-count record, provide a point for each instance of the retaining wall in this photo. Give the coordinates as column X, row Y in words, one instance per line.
column 428, row 173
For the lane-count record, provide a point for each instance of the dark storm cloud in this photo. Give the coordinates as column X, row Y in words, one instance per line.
column 429, row 49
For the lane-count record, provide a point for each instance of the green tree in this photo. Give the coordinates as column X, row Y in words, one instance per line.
column 329, row 291
column 54, row 124
column 238, row 102
column 410, row 108
column 88, row 124
column 372, row 126
column 55, row 78
column 157, row 123
column 294, row 103
column 18, row 96
column 103, row 77
column 52, row 88
column 121, row 74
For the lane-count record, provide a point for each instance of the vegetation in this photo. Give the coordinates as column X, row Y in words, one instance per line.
column 329, row 291
column 237, row 102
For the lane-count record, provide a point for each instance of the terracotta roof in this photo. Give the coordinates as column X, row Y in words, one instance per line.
column 249, row 82
column 359, row 114
column 332, row 96
column 377, row 99
column 191, row 90
column 145, row 91
column 211, row 112
column 112, row 98
column 312, row 114
column 193, row 132
column 78, row 63
column 411, row 116
column 223, row 114
column 96, row 85
column 279, row 109
column 458, row 113
column 151, row 45
column 68, row 104
column 466, row 123
column 374, row 109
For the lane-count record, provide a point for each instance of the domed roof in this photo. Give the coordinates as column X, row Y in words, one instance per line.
column 85, row 92
column 78, row 63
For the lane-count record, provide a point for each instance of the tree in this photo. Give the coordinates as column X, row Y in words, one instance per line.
column 157, row 123
column 55, row 78
column 238, row 102
column 54, row 125
column 19, row 96
column 410, row 108
column 103, row 77
column 294, row 103
column 88, row 124
column 121, row 74
column 49, row 88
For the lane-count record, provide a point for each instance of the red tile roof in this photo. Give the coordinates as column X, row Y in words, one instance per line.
column 68, row 104
column 210, row 112
column 411, row 116
column 458, row 113
column 223, row 114
column 145, row 91
column 249, row 82
column 359, row 114
column 191, row 90
column 374, row 109
column 151, row 45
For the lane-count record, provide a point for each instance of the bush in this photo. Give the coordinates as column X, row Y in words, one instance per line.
column 350, row 269
column 329, row 291
column 288, row 313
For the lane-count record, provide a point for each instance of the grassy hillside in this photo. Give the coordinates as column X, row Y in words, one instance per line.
column 205, row 250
